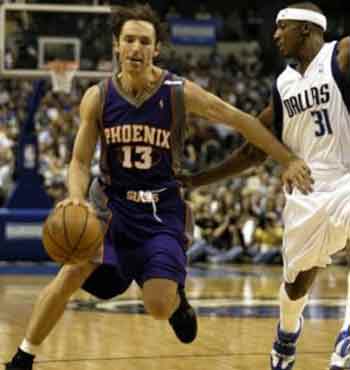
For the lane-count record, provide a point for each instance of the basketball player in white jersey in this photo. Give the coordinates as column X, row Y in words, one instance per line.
column 310, row 114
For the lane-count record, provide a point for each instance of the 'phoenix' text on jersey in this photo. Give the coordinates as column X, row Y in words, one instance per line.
column 138, row 133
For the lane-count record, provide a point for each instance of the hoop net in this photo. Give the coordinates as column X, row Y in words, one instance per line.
column 62, row 73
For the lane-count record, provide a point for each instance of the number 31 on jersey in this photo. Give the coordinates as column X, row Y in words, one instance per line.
column 321, row 119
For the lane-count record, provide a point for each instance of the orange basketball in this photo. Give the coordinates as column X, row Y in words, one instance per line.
column 72, row 234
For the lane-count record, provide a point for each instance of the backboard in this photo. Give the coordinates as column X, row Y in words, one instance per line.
column 32, row 35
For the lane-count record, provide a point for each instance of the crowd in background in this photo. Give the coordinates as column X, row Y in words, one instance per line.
column 25, row 28
column 237, row 220
column 238, row 21
column 232, row 23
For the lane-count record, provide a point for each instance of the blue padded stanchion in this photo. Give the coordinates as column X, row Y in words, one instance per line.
column 28, row 205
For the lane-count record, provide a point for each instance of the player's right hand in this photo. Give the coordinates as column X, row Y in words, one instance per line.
column 75, row 201
column 297, row 174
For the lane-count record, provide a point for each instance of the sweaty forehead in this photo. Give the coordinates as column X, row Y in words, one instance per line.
column 138, row 28
column 287, row 23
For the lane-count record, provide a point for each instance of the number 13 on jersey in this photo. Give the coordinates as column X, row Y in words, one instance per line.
column 144, row 155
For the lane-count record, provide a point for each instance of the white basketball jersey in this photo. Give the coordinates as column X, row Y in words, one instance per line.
column 313, row 111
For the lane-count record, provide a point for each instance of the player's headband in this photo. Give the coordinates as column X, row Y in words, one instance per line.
column 302, row 15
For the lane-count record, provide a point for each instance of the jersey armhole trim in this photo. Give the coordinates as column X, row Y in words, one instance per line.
column 277, row 111
column 104, row 167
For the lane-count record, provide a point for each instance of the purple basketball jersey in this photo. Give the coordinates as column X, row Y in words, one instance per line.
column 137, row 137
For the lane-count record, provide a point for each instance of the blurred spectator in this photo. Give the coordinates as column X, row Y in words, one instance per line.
column 6, row 164
column 172, row 13
column 233, row 27
column 202, row 14
column 268, row 235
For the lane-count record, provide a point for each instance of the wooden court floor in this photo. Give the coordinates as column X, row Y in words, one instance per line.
column 237, row 310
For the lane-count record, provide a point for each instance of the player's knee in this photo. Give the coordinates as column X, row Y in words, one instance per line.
column 71, row 278
column 158, row 307
column 302, row 284
column 296, row 291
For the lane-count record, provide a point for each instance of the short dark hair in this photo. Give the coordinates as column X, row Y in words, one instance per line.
column 306, row 6
column 139, row 12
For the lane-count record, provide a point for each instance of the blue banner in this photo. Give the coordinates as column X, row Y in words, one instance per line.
column 193, row 32
column 20, row 234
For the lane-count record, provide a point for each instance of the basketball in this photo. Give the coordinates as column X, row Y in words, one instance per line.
column 72, row 234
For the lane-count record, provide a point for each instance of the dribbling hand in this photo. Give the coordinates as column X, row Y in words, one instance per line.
column 76, row 201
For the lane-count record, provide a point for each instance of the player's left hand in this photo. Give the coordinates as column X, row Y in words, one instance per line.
column 298, row 174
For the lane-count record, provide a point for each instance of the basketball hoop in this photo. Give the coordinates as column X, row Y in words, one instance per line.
column 62, row 73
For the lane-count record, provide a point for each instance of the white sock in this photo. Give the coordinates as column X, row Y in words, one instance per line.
column 346, row 322
column 28, row 347
column 290, row 311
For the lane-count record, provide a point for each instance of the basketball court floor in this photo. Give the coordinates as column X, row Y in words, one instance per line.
column 237, row 310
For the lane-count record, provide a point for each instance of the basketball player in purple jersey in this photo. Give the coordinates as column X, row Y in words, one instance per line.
column 138, row 115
